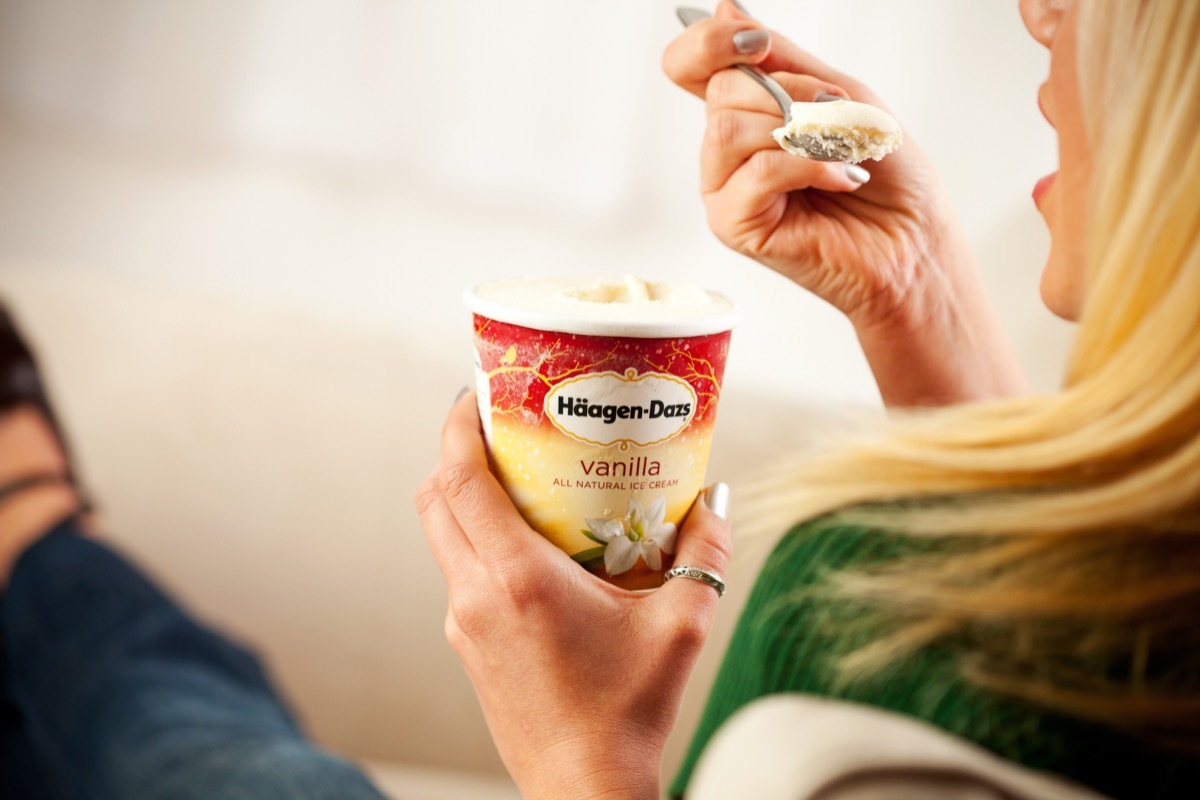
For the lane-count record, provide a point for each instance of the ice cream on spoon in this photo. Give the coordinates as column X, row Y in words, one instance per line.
column 837, row 130
column 840, row 130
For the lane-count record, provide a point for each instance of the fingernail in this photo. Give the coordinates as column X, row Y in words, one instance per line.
column 716, row 497
column 742, row 8
column 857, row 174
column 752, row 42
column 825, row 97
column 460, row 394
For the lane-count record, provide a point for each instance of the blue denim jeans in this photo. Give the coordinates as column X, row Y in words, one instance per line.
column 111, row 691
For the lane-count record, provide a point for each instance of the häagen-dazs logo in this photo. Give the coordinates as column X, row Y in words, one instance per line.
column 607, row 408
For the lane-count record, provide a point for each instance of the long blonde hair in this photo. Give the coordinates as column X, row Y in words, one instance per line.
column 1072, row 563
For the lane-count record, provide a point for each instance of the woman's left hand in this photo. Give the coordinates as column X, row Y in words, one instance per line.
column 580, row 682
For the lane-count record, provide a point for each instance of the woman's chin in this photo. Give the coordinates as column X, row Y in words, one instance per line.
column 1060, row 294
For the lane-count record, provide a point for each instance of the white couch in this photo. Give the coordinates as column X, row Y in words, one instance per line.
column 261, row 463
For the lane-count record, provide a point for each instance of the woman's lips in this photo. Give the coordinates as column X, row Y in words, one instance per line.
column 1042, row 186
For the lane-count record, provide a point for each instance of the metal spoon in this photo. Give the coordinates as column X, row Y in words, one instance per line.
column 816, row 149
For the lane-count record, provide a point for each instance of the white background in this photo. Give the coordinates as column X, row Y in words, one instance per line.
column 367, row 159
column 241, row 229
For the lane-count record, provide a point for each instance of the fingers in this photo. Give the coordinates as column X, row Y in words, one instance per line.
column 472, row 495
column 734, row 37
column 447, row 540
column 728, row 9
column 704, row 542
column 755, row 204
column 476, row 500
column 740, row 123
column 711, row 45
column 733, row 89
column 786, row 56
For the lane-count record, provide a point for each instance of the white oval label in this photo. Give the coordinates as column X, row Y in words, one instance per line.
column 607, row 408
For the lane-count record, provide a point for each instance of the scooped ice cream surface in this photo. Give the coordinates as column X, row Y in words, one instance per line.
column 853, row 131
column 627, row 307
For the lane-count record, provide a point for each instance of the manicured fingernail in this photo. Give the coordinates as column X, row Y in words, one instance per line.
column 742, row 8
column 752, row 42
column 826, row 97
column 857, row 174
column 460, row 394
column 716, row 497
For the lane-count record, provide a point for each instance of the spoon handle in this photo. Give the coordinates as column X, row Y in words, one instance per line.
column 689, row 16
column 771, row 85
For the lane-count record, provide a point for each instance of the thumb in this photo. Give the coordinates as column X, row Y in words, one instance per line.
column 704, row 542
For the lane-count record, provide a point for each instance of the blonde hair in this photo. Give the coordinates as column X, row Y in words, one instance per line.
column 1071, row 522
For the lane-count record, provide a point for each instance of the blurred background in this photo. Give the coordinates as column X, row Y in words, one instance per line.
column 238, row 231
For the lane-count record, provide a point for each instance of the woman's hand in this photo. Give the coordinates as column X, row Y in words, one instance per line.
column 876, row 240
column 580, row 682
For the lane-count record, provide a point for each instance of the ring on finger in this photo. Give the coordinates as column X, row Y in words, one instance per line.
column 697, row 574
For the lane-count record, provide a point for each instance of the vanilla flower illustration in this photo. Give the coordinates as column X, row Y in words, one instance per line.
column 641, row 532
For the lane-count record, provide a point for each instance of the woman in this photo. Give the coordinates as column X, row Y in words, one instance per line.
column 1020, row 572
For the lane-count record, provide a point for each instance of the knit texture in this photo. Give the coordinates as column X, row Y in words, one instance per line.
column 788, row 638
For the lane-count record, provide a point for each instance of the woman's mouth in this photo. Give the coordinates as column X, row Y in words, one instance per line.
column 1043, row 186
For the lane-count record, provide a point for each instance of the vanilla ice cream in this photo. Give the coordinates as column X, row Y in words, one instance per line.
column 598, row 400
column 852, row 131
column 627, row 307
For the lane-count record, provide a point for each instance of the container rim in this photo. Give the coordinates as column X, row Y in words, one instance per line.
column 684, row 326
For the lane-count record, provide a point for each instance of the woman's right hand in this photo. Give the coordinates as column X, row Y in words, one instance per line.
column 858, row 245
column 886, row 251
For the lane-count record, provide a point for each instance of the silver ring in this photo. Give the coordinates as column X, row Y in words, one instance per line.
column 695, row 573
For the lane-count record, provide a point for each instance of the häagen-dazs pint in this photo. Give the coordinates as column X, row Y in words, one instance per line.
column 598, row 400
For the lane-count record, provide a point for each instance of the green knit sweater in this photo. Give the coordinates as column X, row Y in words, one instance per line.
column 786, row 641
